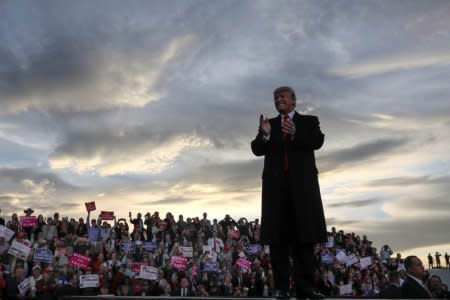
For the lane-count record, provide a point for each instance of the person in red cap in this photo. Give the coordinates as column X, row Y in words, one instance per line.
column 45, row 287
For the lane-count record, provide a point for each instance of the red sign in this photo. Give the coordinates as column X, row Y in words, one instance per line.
column 28, row 221
column 137, row 267
column 80, row 261
column 107, row 215
column 179, row 262
column 90, row 206
column 244, row 264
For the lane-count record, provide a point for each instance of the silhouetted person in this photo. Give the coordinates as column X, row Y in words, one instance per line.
column 292, row 213
column 430, row 261
column 438, row 259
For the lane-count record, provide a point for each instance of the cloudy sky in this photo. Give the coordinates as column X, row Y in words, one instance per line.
column 151, row 106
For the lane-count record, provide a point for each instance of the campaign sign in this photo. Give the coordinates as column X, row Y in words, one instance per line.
column 28, row 221
column 137, row 267
column 365, row 262
column 43, row 255
column 107, row 215
column 345, row 290
column 327, row 258
column 89, row 281
column 6, row 233
column 207, row 248
column 90, row 206
column 330, row 242
column 19, row 250
column 254, row 249
column 179, row 262
column 211, row 266
column 351, row 260
column 148, row 272
column 25, row 285
column 149, row 246
column 244, row 264
column 127, row 247
column 341, row 257
column 80, row 261
column 186, row 251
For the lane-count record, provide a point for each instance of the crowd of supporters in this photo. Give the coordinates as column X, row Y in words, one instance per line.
column 192, row 257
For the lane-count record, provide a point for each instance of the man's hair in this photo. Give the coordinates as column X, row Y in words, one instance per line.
column 409, row 261
column 436, row 276
column 285, row 89
column 394, row 276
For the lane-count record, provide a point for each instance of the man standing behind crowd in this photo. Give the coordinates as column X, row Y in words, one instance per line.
column 414, row 287
column 292, row 213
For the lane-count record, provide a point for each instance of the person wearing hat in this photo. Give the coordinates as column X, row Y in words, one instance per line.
column 28, row 211
column 28, row 230
column 46, row 286
column 292, row 218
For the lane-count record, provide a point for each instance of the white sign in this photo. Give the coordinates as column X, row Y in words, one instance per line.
column 87, row 281
column 6, row 233
column 345, row 289
column 207, row 248
column 19, row 250
column 186, row 251
column 351, row 260
column 365, row 262
column 25, row 285
column 330, row 243
column 148, row 272
column 341, row 257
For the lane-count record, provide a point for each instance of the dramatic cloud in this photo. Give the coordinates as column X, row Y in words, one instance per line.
column 360, row 153
column 358, row 203
column 146, row 106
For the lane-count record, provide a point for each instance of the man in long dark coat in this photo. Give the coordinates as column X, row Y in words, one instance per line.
column 292, row 212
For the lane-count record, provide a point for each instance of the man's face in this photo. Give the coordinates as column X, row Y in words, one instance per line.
column 184, row 283
column 435, row 283
column 417, row 268
column 284, row 102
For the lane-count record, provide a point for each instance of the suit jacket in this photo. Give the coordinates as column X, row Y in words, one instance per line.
column 391, row 292
column 411, row 289
column 308, row 209
column 190, row 292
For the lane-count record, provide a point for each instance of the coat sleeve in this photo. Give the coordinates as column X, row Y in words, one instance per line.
column 259, row 146
column 311, row 138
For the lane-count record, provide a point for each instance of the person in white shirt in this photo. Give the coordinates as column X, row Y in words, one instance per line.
column 216, row 245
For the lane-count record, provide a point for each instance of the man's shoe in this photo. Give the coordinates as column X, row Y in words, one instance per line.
column 282, row 295
column 312, row 294
column 316, row 295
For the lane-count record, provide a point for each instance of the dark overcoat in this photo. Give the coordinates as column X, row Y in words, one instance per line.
column 411, row 289
column 309, row 220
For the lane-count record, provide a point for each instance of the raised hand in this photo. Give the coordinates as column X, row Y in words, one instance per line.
column 288, row 127
column 264, row 125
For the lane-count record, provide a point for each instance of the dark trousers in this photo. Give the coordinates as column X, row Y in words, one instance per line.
column 304, row 260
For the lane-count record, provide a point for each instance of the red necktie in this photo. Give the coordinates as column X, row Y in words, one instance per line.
column 285, row 137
